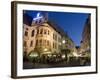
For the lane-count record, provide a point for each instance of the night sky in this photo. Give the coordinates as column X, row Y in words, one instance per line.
column 71, row 23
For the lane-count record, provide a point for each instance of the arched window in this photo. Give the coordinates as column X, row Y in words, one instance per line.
column 47, row 43
column 45, row 31
column 31, row 44
column 37, row 31
column 32, row 33
column 41, row 31
column 26, row 33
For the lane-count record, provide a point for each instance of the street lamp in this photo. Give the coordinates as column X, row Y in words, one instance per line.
column 63, row 41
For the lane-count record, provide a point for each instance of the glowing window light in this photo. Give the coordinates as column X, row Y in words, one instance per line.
column 75, row 54
column 63, row 56
column 45, row 49
column 54, row 55
column 34, row 55
column 49, row 55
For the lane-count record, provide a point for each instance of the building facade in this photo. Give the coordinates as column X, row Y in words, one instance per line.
column 45, row 37
column 86, row 37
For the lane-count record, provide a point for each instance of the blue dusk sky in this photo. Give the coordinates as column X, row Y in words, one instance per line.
column 72, row 23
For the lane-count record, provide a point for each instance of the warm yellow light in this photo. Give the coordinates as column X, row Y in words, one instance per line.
column 75, row 54
column 34, row 55
column 45, row 49
column 49, row 55
column 54, row 55
column 63, row 56
column 63, row 41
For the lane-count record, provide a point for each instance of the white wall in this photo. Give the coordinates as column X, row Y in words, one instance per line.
column 5, row 40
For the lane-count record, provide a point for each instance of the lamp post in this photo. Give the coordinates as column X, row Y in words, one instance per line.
column 63, row 41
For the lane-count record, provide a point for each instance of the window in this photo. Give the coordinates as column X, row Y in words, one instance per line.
column 40, row 21
column 41, row 31
column 26, row 28
column 31, row 44
column 26, row 33
column 53, row 45
column 44, row 31
column 40, row 42
column 33, row 33
column 48, row 32
column 53, row 36
column 59, row 46
column 37, row 31
column 59, row 39
column 25, row 43
column 47, row 43
column 36, row 42
column 36, row 22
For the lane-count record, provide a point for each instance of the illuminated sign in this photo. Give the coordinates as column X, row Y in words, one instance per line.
column 38, row 16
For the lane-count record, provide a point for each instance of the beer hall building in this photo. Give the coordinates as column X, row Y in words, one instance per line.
column 44, row 37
